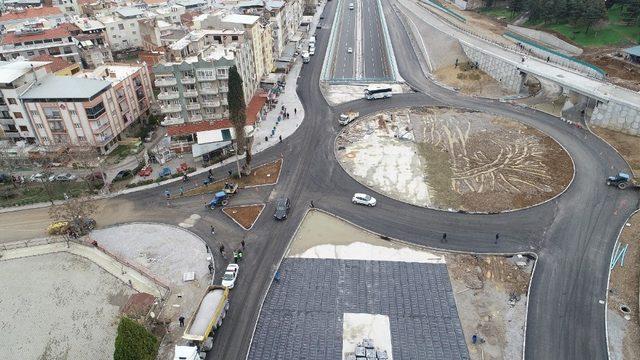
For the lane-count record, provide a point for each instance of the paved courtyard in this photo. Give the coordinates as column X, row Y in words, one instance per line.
column 58, row 306
column 302, row 317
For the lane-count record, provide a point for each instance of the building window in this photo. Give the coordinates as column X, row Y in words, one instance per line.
column 35, row 112
column 23, row 128
column 30, row 53
column 82, row 139
column 96, row 111
column 52, row 113
column 77, row 125
column 121, row 26
column 73, row 112
column 6, row 115
column 12, row 101
column 39, row 126
column 221, row 72
column 234, row 38
column 56, row 126
column 17, row 115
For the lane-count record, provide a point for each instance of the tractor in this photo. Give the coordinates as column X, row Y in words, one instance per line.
column 622, row 181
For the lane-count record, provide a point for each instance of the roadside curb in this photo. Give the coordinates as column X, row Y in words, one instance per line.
column 573, row 176
column 241, row 206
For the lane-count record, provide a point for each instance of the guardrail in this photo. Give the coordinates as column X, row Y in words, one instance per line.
column 443, row 8
column 328, row 58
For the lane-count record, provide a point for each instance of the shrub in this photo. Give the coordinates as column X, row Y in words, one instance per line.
column 134, row 342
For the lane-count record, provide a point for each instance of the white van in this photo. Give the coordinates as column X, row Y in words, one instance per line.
column 312, row 50
column 350, row 6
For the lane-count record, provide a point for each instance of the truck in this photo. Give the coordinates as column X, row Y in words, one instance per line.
column 305, row 57
column 206, row 318
column 348, row 117
column 622, row 181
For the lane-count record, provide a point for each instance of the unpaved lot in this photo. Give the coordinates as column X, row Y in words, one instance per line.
column 627, row 145
column 454, row 159
column 58, row 306
column 624, row 327
column 244, row 215
column 470, row 81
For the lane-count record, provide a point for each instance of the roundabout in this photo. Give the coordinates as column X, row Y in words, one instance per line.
column 454, row 159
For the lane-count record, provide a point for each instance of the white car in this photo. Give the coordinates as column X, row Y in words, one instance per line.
column 349, row 50
column 363, row 199
column 230, row 275
column 38, row 177
column 63, row 177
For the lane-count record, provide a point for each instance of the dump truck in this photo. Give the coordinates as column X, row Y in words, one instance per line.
column 348, row 117
column 622, row 181
column 200, row 329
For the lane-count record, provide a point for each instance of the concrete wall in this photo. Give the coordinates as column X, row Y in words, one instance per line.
column 547, row 39
column 503, row 71
column 618, row 117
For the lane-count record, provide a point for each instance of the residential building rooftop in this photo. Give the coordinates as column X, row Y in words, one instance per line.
column 129, row 12
column 190, row 3
column 56, row 63
column 19, row 37
column 634, row 50
column 65, row 87
column 241, row 19
column 30, row 13
column 112, row 72
column 12, row 70
column 86, row 24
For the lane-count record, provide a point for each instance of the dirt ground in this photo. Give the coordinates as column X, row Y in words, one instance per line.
column 454, row 159
column 266, row 174
column 619, row 71
column 244, row 215
column 491, row 296
column 470, row 81
column 627, row 145
column 624, row 284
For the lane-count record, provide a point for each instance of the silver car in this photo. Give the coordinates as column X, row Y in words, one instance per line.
column 363, row 199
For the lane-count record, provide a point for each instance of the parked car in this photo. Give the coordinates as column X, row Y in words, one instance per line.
column 282, row 208
column 40, row 177
column 123, row 174
column 63, row 177
column 349, row 50
column 230, row 275
column 95, row 176
column 166, row 171
column 145, row 171
column 363, row 199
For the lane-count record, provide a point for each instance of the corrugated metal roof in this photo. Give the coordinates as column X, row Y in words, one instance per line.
column 635, row 51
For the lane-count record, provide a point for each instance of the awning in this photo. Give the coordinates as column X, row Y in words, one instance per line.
column 201, row 149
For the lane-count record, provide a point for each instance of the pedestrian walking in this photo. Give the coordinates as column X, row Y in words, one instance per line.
column 221, row 248
column 181, row 191
column 242, row 243
column 230, row 172
column 311, row 204
column 474, row 339
column 444, row 237
column 295, row 111
column 167, row 194
column 240, row 254
column 235, row 257
column 280, row 137
column 266, row 138
column 276, row 277
column 181, row 320
column 497, row 237
column 213, row 230
column 210, row 173
column 211, row 268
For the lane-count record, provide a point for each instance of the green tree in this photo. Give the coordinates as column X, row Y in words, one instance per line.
column 593, row 12
column 238, row 116
column 134, row 342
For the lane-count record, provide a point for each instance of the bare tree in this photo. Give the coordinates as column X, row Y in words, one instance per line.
column 77, row 213
column 9, row 163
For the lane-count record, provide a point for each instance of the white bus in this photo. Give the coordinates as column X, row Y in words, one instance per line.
column 377, row 93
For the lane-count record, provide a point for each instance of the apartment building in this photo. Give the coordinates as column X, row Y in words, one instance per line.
column 71, row 7
column 58, row 66
column 93, row 47
column 15, row 78
column 232, row 41
column 46, row 16
column 157, row 33
column 32, row 40
column 123, row 30
column 93, row 108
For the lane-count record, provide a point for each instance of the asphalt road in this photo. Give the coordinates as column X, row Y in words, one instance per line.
column 573, row 235
column 361, row 30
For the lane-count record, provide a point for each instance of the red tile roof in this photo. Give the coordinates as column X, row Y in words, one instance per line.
column 58, row 32
column 254, row 107
column 57, row 63
column 31, row 13
column 192, row 128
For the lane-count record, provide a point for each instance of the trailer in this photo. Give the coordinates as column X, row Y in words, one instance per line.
column 208, row 317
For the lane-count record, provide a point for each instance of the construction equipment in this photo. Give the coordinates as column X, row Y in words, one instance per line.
column 208, row 317
column 220, row 198
column 622, row 181
column 348, row 117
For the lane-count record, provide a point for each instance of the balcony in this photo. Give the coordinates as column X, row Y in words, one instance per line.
column 4, row 107
column 188, row 80
column 168, row 95
column 195, row 118
column 193, row 106
column 223, row 76
column 224, row 89
column 190, row 93
column 224, row 101
column 209, row 90
column 172, row 121
column 168, row 109
column 160, row 82
column 101, row 128
column 211, row 103
column 206, row 78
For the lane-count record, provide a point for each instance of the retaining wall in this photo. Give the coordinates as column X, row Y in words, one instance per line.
column 503, row 71
column 617, row 117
